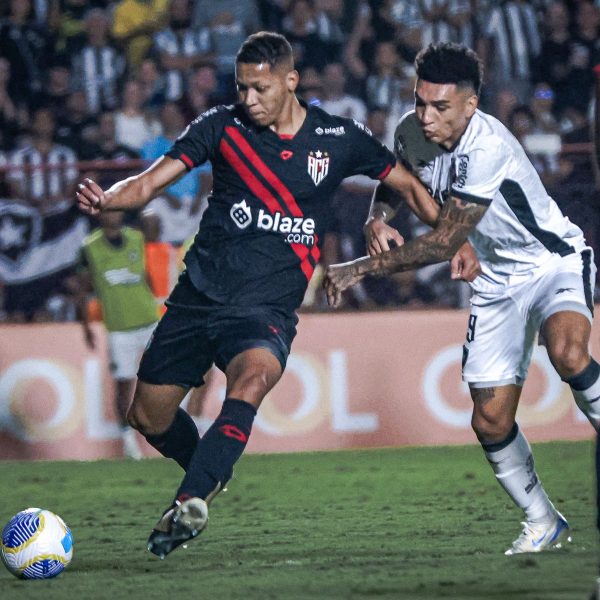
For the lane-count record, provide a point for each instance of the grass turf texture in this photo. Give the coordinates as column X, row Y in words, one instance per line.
column 406, row 523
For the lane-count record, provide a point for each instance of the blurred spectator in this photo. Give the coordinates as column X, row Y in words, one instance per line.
column 329, row 28
column 396, row 20
column 385, row 83
column 336, row 101
column 521, row 122
column 56, row 91
column 201, row 91
column 437, row 20
column 584, row 42
column 41, row 228
column 556, row 63
column 310, row 87
column 272, row 13
column 180, row 48
column 27, row 48
column 134, row 24
column 9, row 113
column 107, row 148
column 503, row 103
column 542, row 104
column 229, row 23
column 77, row 128
column 134, row 126
column 299, row 28
column 360, row 47
column 99, row 66
column 113, row 266
column 43, row 173
column 152, row 84
column 179, row 206
column 71, row 25
column 510, row 47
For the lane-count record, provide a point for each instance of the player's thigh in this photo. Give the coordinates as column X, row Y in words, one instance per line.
column 252, row 350
column 180, row 351
column 499, row 343
column 566, row 286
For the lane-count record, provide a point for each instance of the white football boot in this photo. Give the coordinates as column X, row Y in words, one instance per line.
column 536, row 537
column 180, row 523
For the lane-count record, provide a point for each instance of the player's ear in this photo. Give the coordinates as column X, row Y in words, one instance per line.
column 292, row 79
column 472, row 104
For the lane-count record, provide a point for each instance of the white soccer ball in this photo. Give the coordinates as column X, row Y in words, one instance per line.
column 36, row 544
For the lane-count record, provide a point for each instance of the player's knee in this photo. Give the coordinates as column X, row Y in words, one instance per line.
column 569, row 357
column 491, row 428
column 252, row 385
column 140, row 420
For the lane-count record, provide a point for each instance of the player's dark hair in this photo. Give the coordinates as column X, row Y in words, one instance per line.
column 266, row 47
column 450, row 63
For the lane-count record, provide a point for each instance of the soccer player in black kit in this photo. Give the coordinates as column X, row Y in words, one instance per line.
column 276, row 164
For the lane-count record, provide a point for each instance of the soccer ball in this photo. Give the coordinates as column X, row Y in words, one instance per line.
column 36, row 544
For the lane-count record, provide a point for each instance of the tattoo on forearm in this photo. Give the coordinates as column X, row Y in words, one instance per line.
column 457, row 219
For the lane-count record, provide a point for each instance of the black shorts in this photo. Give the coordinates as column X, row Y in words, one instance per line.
column 197, row 332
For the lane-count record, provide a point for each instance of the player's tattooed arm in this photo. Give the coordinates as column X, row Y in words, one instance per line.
column 457, row 219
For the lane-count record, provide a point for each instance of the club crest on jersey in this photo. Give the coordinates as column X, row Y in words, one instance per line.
column 318, row 165
column 241, row 214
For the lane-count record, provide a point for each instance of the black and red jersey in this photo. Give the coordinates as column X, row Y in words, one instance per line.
column 259, row 239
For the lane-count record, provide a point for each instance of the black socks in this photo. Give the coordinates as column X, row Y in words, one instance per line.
column 211, row 465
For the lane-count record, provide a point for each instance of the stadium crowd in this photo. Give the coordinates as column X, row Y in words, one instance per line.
column 99, row 88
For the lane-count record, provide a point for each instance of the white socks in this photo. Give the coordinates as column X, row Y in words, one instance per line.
column 586, row 391
column 512, row 462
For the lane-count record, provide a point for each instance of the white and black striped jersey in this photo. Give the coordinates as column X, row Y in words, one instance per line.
column 99, row 69
column 513, row 29
column 38, row 177
column 188, row 42
column 435, row 30
column 523, row 226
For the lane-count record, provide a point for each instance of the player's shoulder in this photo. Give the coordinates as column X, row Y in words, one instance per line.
column 487, row 134
column 221, row 112
column 410, row 144
column 329, row 125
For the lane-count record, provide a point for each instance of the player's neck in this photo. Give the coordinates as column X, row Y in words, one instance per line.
column 291, row 118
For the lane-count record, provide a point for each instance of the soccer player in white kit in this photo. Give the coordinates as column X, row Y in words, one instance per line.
column 537, row 271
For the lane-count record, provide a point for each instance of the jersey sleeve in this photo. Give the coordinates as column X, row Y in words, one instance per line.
column 368, row 156
column 478, row 174
column 200, row 138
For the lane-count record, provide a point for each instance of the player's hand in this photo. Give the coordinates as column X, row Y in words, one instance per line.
column 90, row 197
column 464, row 264
column 379, row 234
column 339, row 278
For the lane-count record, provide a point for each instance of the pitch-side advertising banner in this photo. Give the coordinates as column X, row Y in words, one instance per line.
column 352, row 380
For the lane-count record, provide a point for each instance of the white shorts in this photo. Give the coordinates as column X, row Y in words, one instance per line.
column 126, row 349
column 502, row 328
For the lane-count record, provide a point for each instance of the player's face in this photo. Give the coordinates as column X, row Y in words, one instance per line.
column 443, row 110
column 263, row 91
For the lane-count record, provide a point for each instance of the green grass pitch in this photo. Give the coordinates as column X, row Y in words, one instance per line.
column 397, row 523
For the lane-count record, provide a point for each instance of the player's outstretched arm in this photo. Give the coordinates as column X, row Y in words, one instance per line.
column 414, row 193
column 457, row 219
column 131, row 193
